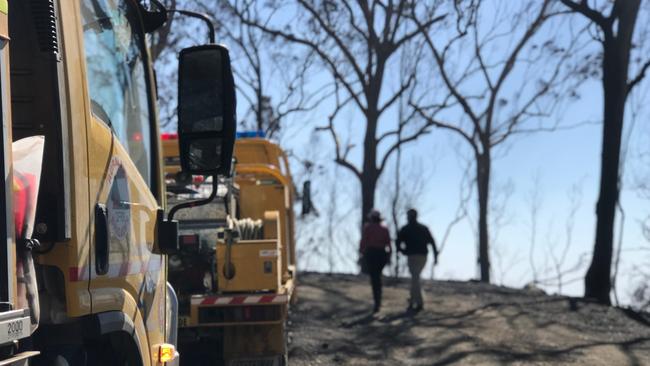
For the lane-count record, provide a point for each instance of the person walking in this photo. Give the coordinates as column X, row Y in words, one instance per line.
column 415, row 238
column 375, row 250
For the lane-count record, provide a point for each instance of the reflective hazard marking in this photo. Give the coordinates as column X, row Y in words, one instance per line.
column 239, row 300
column 4, row 6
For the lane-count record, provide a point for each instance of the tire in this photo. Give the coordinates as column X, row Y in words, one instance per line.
column 105, row 356
column 113, row 350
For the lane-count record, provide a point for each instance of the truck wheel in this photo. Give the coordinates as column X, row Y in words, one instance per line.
column 105, row 356
column 113, row 350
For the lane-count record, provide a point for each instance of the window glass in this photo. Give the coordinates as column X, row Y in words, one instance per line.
column 116, row 76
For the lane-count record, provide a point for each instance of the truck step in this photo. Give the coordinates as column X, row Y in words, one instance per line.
column 19, row 359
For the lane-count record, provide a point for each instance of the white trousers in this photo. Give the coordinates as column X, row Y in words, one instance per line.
column 416, row 265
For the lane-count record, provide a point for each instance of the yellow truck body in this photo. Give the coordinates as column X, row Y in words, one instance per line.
column 244, row 316
column 259, row 260
column 102, row 160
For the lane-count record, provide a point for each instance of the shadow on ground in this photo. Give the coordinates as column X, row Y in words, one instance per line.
column 462, row 324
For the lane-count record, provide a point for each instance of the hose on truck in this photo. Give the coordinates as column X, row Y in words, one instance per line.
column 242, row 229
column 249, row 229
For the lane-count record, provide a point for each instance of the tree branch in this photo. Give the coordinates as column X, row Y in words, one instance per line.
column 446, row 126
column 445, row 77
column 332, row 34
column 584, row 9
column 334, row 66
column 638, row 77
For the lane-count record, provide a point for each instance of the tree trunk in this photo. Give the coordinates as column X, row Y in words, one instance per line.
column 616, row 60
column 483, row 185
column 368, row 186
column 598, row 278
column 370, row 173
column 395, row 201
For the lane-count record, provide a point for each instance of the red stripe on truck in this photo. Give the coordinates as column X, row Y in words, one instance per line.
column 238, row 300
column 267, row 299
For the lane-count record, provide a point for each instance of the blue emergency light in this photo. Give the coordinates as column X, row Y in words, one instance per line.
column 250, row 134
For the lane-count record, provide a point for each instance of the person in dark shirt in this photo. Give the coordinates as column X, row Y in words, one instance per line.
column 375, row 250
column 412, row 241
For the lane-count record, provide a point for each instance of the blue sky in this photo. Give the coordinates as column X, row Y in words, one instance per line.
column 560, row 160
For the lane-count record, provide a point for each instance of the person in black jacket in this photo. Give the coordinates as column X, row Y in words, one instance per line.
column 415, row 238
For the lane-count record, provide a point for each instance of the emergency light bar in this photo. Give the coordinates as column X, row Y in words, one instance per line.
column 250, row 134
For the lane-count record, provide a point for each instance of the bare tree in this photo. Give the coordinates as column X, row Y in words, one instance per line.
column 499, row 92
column 642, row 180
column 615, row 22
column 500, row 217
column 325, row 237
column 641, row 275
column 574, row 196
column 270, row 78
column 271, row 84
column 641, row 184
column 534, row 200
column 554, row 270
column 461, row 211
column 356, row 43
column 178, row 32
column 636, row 105
column 395, row 203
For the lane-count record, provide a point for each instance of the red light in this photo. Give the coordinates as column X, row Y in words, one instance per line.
column 137, row 136
column 189, row 239
column 169, row 136
column 198, row 179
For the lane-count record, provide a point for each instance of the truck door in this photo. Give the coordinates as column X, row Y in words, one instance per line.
column 124, row 173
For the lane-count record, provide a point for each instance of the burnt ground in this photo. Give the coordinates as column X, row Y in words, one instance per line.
column 462, row 324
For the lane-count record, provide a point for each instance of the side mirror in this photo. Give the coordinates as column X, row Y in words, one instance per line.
column 206, row 110
column 306, row 198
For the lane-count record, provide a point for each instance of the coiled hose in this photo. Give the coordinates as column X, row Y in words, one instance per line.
column 249, row 229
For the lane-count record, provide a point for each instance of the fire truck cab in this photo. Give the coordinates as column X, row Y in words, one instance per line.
column 83, row 274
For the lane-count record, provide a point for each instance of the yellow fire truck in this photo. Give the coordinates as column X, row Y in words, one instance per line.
column 236, row 270
column 85, row 239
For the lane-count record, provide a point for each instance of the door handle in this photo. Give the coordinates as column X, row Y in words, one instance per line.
column 101, row 239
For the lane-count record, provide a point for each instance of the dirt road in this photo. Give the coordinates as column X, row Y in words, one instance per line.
column 462, row 324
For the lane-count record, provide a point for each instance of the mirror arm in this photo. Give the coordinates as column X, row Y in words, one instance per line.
column 204, row 17
column 153, row 20
column 211, row 197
